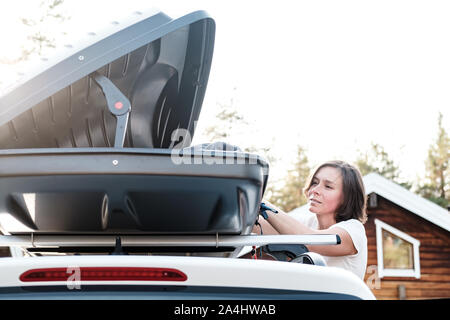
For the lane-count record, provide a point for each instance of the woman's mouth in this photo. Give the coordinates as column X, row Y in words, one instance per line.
column 312, row 200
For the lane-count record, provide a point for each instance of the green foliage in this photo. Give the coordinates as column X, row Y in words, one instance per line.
column 38, row 38
column 230, row 125
column 290, row 194
column 376, row 159
column 227, row 119
column 436, row 184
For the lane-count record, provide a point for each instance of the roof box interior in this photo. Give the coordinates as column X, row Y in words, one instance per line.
column 160, row 65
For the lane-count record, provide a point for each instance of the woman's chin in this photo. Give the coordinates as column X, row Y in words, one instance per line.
column 312, row 208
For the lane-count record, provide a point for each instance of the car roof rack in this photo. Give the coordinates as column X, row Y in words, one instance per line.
column 158, row 243
column 42, row 240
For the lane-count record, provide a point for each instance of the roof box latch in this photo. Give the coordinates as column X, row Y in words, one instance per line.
column 118, row 105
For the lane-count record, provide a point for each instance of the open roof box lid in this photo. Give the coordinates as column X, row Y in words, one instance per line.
column 87, row 143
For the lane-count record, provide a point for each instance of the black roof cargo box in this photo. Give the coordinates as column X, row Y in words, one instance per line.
column 86, row 143
column 135, row 190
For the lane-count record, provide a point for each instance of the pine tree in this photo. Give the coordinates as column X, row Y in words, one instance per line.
column 290, row 195
column 376, row 159
column 230, row 125
column 227, row 124
column 436, row 185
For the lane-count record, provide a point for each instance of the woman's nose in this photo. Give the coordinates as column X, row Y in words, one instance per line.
column 314, row 189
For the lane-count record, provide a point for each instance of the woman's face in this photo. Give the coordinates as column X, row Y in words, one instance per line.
column 325, row 194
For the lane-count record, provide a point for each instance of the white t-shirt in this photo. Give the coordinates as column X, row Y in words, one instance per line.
column 356, row 263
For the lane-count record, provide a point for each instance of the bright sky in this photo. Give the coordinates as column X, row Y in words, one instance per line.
column 332, row 76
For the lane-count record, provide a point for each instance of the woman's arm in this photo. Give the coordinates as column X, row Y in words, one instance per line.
column 285, row 224
column 346, row 247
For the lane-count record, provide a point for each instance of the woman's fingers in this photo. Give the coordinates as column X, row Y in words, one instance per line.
column 267, row 203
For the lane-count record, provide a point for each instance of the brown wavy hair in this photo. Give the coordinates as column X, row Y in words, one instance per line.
column 354, row 204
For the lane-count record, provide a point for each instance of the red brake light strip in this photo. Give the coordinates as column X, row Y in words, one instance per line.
column 103, row 274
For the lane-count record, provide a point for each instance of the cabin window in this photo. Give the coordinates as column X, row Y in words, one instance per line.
column 397, row 252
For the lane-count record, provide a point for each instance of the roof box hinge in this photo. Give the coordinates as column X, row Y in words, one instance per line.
column 118, row 105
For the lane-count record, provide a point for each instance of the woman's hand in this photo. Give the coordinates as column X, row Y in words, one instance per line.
column 272, row 206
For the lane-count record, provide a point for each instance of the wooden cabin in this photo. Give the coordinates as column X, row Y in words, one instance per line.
column 408, row 240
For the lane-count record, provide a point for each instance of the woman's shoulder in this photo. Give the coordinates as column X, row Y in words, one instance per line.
column 304, row 216
column 352, row 225
column 352, row 222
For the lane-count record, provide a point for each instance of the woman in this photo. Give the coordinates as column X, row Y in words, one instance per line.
column 337, row 202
